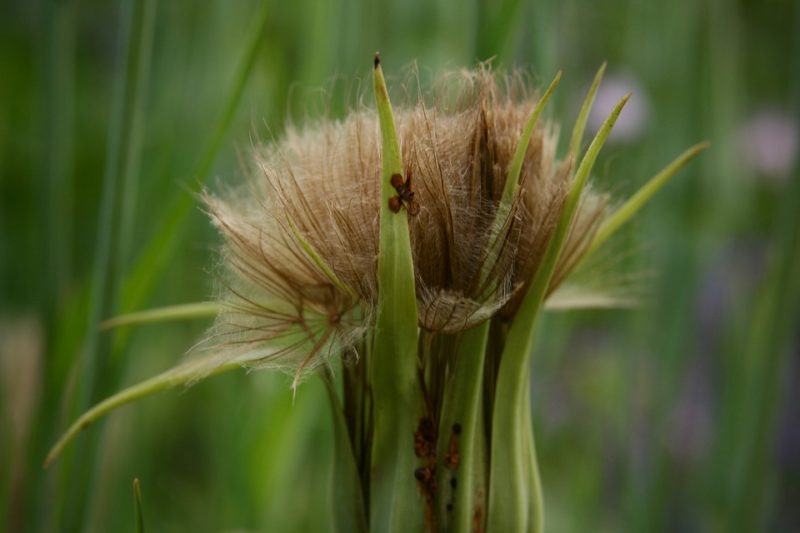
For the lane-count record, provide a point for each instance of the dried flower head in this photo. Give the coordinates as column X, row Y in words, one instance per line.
column 301, row 237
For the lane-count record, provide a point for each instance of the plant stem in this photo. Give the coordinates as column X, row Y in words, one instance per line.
column 508, row 492
column 461, row 450
column 347, row 500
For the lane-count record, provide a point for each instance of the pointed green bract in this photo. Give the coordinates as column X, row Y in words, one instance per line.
column 395, row 501
column 190, row 311
column 190, row 372
column 504, row 209
column 180, row 375
column 321, row 264
column 583, row 115
column 582, row 175
column 508, row 490
column 622, row 215
column 512, row 181
column 568, row 298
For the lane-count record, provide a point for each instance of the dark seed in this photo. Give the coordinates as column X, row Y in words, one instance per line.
column 397, row 181
column 395, row 204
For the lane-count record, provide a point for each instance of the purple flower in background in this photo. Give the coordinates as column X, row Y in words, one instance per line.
column 768, row 143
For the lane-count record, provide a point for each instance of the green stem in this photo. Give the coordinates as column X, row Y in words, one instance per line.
column 137, row 506
column 533, row 481
column 348, row 512
column 508, row 492
column 396, row 503
column 461, row 451
column 137, row 79
column 180, row 375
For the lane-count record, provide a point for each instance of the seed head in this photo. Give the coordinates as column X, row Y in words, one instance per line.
column 301, row 237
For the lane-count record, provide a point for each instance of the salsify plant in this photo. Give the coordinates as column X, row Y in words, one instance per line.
column 410, row 254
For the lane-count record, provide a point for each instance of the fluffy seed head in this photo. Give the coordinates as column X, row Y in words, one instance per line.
column 301, row 236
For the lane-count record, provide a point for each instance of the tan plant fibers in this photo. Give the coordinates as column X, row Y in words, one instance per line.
column 301, row 237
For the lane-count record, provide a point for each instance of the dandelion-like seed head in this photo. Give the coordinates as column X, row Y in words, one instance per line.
column 301, row 236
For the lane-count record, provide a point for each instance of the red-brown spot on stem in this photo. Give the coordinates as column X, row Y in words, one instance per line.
column 425, row 448
column 477, row 516
column 452, row 457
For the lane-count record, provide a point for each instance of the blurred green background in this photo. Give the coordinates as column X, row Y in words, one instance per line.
column 679, row 415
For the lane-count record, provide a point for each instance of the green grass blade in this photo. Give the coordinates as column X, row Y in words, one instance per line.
column 583, row 115
column 508, row 498
column 498, row 28
column 622, row 215
column 395, row 503
column 58, row 208
column 742, row 471
column 192, row 311
column 158, row 253
column 253, row 41
column 56, row 229
column 126, row 104
column 137, row 506
column 101, row 297
column 138, row 65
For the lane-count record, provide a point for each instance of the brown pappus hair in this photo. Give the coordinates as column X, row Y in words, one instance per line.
column 301, row 236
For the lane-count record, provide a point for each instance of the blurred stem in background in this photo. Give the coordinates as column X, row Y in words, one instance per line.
column 120, row 175
column 156, row 256
column 497, row 28
column 59, row 186
column 760, row 357
column 117, row 208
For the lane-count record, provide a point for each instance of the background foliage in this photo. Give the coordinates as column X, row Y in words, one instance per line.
column 679, row 415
